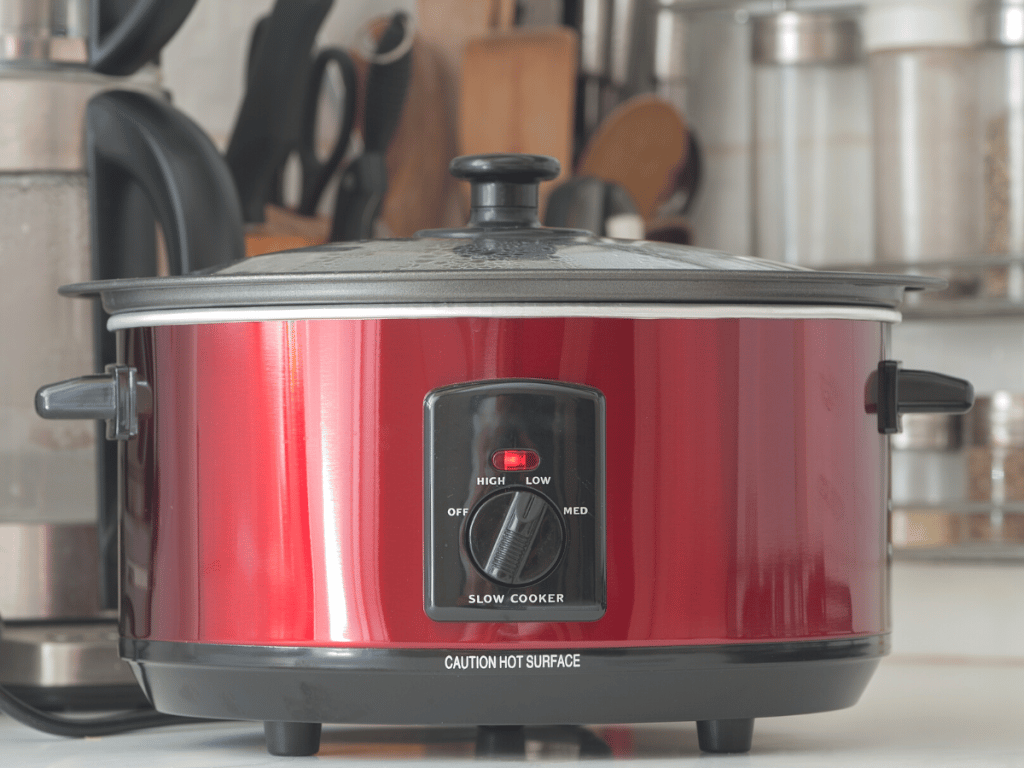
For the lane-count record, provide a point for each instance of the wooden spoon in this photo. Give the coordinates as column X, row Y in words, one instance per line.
column 640, row 145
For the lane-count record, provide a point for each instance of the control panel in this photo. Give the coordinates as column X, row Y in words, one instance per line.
column 515, row 517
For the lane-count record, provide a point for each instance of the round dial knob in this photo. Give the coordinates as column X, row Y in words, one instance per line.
column 515, row 537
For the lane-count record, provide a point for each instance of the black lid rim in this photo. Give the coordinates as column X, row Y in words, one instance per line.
column 505, row 286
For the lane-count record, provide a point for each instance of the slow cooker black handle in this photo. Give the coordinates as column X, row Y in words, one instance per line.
column 116, row 397
column 504, row 187
column 896, row 391
column 125, row 34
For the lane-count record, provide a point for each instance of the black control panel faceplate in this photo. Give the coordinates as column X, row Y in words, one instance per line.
column 518, row 545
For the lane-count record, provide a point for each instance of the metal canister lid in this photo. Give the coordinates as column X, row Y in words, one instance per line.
column 997, row 420
column 1002, row 22
column 52, row 31
column 792, row 38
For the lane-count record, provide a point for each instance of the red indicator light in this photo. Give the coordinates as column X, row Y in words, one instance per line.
column 515, row 461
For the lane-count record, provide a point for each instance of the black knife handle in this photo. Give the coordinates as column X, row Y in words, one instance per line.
column 386, row 86
column 125, row 35
column 361, row 193
column 269, row 123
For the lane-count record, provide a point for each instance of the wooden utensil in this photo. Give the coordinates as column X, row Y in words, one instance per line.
column 418, row 156
column 517, row 94
column 284, row 229
column 442, row 29
column 640, row 145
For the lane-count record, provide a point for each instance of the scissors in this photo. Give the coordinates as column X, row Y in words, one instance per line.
column 281, row 111
column 316, row 173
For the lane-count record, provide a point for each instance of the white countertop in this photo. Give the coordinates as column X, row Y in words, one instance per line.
column 933, row 712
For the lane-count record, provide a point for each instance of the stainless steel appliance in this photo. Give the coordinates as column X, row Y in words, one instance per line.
column 55, row 565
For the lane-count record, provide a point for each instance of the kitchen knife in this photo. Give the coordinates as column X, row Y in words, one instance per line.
column 269, row 121
column 364, row 183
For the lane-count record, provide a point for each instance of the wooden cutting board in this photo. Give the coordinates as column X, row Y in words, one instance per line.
column 640, row 145
column 517, row 95
column 418, row 155
column 443, row 27
column 283, row 229
column 446, row 25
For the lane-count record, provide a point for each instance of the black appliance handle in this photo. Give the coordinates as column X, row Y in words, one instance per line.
column 145, row 157
column 125, row 34
column 897, row 391
column 135, row 139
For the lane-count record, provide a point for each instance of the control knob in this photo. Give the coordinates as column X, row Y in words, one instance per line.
column 515, row 537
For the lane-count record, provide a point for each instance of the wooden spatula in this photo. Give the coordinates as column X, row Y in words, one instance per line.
column 517, row 94
column 640, row 145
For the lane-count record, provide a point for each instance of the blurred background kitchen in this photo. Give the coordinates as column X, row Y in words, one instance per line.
column 885, row 136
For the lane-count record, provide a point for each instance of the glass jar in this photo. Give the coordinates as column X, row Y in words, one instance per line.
column 712, row 89
column 927, row 461
column 928, row 481
column 924, row 101
column 1001, row 126
column 812, row 140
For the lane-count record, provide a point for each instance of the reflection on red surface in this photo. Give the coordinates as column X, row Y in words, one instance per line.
column 275, row 495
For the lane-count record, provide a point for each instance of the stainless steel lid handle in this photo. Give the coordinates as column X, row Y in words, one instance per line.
column 116, row 396
column 503, row 188
column 895, row 391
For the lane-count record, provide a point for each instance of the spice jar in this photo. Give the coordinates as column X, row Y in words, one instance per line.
column 812, row 140
column 996, row 455
column 995, row 436
column 927, row 461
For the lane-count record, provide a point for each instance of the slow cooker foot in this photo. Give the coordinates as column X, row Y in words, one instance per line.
column 725, row 735
column 292, row 739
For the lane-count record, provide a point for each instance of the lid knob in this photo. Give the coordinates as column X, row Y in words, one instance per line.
column 503, row 188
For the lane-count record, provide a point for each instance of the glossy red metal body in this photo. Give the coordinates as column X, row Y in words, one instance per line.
column 275, row 494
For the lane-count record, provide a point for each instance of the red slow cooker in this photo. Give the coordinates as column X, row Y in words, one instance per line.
column 503, row 475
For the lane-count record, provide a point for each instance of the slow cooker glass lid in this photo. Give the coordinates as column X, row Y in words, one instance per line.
column 502, row 256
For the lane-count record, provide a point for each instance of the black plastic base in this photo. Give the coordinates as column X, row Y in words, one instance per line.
column 722, row 687
column 725, row 736
column 80, row 698
column 292, row 739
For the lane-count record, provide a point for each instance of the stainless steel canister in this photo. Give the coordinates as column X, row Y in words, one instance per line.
column 812, row 140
